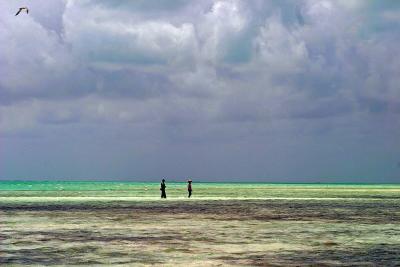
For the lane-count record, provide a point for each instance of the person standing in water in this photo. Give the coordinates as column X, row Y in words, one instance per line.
column 162, row 188
column 189, row 187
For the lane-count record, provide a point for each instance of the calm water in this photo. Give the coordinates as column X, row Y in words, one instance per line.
column 201, row 190
column 96, row 223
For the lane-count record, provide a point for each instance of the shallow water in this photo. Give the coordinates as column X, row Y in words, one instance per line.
column 240, row 224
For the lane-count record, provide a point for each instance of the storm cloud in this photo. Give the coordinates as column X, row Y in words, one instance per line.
column 217, row 90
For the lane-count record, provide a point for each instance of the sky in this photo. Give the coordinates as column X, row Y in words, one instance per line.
column 216, row 90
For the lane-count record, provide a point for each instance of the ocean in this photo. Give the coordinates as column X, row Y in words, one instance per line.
column 223, row 224
column 202, row 190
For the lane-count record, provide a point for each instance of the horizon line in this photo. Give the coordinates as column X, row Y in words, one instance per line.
column 198, row 181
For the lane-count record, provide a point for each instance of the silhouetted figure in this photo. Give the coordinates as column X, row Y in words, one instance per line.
column 22, row 9
column 162, row 188
column 189, row 188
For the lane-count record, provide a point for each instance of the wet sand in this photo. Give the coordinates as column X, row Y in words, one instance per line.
column 202, row 232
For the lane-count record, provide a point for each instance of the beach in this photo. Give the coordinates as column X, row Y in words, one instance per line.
column 97, row 223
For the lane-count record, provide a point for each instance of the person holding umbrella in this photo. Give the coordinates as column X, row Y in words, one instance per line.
column 189, row 188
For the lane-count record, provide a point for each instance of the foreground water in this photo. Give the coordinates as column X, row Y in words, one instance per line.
column 59, row 223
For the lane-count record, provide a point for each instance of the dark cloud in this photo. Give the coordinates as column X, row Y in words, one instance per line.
column 320, row 109
column 236, row 81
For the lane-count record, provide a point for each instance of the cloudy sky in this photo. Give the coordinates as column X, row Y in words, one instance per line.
column 251, row 90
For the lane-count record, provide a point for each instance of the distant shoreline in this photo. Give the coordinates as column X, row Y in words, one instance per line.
column 197, row 182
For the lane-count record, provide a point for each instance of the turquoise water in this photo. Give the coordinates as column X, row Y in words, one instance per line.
column 118, row 185
column 200, row 190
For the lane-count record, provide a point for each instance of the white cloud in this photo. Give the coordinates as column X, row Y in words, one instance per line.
column 32, row 56
column 279, row 49
column 352, row 4
column 220, row 26
column 103, row 40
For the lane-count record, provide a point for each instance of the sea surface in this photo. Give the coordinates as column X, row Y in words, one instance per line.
column 223, row 224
